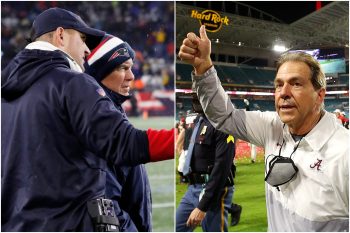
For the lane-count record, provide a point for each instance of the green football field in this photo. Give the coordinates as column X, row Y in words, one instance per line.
column 162, row 178
column 249, row 187
column 249, row 193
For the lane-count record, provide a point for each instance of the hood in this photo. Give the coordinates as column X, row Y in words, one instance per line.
column 26, row 68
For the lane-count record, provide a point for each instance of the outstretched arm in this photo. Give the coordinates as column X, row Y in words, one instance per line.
column 249, row 126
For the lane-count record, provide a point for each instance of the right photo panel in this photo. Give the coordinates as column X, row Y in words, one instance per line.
column 262, row 108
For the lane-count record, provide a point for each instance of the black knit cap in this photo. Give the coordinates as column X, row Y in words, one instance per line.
column 110, row 53
column 53, row 18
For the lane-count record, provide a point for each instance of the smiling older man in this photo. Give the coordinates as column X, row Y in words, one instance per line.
column 306, row 150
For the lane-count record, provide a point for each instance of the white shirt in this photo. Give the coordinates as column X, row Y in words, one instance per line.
column 318, row 198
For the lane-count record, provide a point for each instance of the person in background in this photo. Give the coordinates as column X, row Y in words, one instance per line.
column 306, row 150
column 346, row 120
column 209, row 168
column 182, row 144
column 342, row 118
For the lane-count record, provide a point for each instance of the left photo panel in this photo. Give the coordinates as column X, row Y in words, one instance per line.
column 87, row 116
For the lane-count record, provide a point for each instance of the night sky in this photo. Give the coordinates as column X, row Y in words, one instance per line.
column 287, row 11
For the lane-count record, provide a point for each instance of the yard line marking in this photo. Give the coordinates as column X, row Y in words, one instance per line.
column 163, row 205
column 161, row 177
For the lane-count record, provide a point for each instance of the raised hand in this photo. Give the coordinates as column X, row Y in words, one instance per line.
column 196, row 51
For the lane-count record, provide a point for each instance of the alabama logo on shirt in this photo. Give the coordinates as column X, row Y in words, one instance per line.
column 316, row 165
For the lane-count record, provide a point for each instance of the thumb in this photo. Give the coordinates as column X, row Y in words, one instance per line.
column 203, row 33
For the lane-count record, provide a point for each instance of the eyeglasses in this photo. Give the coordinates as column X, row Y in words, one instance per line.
column 281, row 169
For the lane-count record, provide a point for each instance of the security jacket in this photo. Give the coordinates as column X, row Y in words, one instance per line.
column 213, row 154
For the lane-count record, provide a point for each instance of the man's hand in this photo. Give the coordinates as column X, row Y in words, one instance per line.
column 196, row 51
column 196, row 218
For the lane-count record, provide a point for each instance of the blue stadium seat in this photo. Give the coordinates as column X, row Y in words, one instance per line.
column 344, row 79
column 243, row 75
column 184, row 71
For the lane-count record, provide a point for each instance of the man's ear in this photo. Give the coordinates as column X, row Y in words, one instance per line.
column 58, row 37
column 320, row 96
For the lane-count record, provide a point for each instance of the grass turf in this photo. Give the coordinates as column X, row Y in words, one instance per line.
column 161, row 177
column 249, row 185
column 249, row 193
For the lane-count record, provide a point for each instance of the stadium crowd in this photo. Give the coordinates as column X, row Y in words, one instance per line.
column 147, row 26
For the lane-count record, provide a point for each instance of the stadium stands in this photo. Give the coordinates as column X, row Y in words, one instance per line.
column 261, row 105
column 147, row 26
column 228, row 73
column 339, row 103
column 344, row 79
column 184, row 72
column 253, row 78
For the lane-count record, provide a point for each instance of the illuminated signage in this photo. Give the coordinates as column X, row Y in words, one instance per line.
column 211, row 19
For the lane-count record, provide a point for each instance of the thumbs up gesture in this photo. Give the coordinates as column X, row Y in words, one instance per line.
column 196, row 51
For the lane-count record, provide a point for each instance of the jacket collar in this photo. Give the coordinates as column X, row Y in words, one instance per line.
column 114, row 96
column 46, row 46
column 321, row 133
column 317, row 137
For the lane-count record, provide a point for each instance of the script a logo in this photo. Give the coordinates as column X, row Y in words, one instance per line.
column 211, row 19
column 317, row 164
column 119, row 52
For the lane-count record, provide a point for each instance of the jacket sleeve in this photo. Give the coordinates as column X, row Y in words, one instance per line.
column 136, row 198
column 252, row 126
column 224, row 154
column 161, row 144
column 99, row 126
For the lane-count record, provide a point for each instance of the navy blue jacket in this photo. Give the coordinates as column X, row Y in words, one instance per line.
column 129, row 187
column 51, row 116
column 213, row 154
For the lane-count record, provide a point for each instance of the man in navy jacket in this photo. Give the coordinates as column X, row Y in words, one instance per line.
column 52, row 115
column 110, row 64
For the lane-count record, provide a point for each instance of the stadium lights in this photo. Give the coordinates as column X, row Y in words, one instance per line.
column 336, row 92
column 280, row 48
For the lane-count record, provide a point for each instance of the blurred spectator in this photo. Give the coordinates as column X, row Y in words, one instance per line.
column 342, row 118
